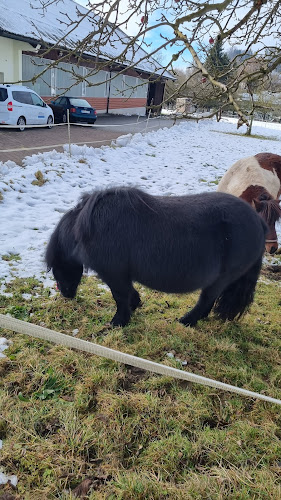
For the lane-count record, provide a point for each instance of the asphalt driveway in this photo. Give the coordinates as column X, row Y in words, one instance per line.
column 16, row 145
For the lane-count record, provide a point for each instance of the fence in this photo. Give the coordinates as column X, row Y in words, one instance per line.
column 25, row 328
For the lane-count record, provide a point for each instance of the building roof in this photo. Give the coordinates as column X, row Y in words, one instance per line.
column 28, row 21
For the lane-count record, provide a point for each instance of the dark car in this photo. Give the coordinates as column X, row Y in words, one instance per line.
column 79, row 110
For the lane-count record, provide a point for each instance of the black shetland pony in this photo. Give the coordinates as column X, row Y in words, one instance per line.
column 210, row 241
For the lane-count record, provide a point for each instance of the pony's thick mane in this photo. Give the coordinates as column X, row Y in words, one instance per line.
column 270, row 209
column 83, row 227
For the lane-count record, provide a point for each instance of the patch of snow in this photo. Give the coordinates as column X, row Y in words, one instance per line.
column 5, row 479
column 123, row 140
column 4, row 344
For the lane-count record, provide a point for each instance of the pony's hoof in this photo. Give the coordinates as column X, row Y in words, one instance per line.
column 117, row 321
column 187, row 321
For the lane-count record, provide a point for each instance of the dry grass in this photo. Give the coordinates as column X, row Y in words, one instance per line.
column 40, row 180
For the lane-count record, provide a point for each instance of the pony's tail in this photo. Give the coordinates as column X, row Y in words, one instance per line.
column 238, row 296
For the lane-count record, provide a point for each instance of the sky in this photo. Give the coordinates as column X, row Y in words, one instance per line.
column 188, row 158
column 153, row 38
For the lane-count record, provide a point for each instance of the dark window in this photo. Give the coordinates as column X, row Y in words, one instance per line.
column 81, row 103
column 37, row 101
column 3, row 94
column 22, row 96
column 58, row 101
column 64, row 101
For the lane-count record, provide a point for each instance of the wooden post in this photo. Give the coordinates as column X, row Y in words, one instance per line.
column 68, row 130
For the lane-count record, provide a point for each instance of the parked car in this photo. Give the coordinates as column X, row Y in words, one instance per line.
column 79, row 110
column 21, row 106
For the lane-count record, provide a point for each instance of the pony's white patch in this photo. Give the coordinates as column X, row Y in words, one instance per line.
column 248, row 172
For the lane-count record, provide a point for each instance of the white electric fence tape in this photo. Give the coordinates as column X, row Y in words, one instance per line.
column 94, row 126
column 66, row 340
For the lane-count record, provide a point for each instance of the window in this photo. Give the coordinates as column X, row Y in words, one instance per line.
column 79, row 102
column 22, row 96
column 37, row 101
column 84, row 86
column 124, row 86
column 53, row 81
column 107, row 85
column 3, row 95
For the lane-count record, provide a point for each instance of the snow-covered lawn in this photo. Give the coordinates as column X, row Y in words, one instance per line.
column 186, row 158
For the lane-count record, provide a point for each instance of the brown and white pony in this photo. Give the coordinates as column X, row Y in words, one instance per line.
column 257, row 180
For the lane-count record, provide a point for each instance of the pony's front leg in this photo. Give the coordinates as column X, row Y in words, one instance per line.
column 122, row 297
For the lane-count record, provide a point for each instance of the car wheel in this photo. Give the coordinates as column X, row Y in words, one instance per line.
column 50, row 121
column 64, row 118
column 21, row 122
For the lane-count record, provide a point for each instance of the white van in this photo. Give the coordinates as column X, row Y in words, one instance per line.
column 22, row 106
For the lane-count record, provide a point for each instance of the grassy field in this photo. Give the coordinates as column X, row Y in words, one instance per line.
column 75, row 425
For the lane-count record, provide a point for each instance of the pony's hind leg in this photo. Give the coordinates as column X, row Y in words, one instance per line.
column 135, row 300
column 205, row 303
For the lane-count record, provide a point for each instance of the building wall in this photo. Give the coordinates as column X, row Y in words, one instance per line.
column 11, row 59
column 123, row 94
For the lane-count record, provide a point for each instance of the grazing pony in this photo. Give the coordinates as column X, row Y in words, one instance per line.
column 257, row 180
column 209, row 241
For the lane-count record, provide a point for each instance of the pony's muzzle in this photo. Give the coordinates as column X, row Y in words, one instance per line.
column 271, row 246
column 272, row 250
column 67, row 293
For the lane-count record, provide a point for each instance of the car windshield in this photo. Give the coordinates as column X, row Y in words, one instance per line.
column 79, row 102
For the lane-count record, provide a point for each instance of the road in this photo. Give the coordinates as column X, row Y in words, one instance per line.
column 16, row 145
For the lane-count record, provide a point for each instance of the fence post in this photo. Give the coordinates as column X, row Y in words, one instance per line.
column 149, row 113
column 68, row 129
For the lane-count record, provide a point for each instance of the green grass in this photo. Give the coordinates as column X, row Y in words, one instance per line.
column 69, row 418
column 11, row 257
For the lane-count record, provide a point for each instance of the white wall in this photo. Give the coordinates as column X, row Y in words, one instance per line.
column 11, row 59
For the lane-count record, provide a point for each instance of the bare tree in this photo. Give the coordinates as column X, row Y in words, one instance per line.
column 188, row 29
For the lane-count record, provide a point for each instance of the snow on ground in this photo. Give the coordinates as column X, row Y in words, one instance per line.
column 4, row 479
column 187, row 158
column 4, row 344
